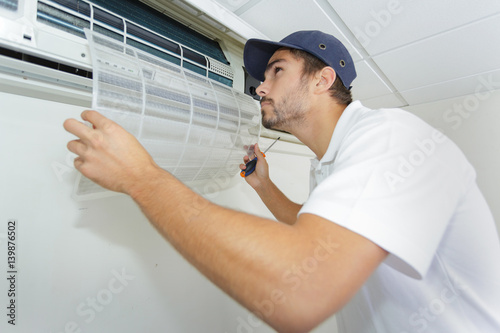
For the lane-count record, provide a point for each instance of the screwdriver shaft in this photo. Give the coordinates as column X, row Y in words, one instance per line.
column 265, row 151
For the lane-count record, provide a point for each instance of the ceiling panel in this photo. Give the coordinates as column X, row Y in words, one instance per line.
column 279, row 18
column 368, row 84
column 459, row 53
column 382, row 25
column 476, row 87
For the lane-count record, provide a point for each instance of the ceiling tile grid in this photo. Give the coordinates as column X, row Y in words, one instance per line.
column 382, row 25
column 279, row 18
column 465, row 51
column 368, row 84
column 476, row 87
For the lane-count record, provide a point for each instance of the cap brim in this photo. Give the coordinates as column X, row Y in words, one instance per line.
column 257, row 53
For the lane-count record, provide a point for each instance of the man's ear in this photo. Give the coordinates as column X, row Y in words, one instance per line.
column 325, row 79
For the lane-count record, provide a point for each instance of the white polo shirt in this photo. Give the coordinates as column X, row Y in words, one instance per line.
column 392, row 178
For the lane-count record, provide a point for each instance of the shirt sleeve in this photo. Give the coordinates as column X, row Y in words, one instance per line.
column 396, row 182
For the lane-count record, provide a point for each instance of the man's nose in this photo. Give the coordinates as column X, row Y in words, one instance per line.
column 262, row 89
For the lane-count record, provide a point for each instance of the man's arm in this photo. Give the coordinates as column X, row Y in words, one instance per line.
column 292, row 276
column 282, row 208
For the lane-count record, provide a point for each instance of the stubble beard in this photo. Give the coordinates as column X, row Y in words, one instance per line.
column 289, row 112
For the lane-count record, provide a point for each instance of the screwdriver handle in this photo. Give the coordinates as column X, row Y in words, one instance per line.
column 250, row 168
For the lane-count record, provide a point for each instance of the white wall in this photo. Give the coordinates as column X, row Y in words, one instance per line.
column 473, row 123
column 69, row 253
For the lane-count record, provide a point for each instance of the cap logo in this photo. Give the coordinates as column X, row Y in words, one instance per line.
column 322, row 46
column 342, row 63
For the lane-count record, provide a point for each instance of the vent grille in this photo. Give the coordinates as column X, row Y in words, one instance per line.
column 61, row 20
column 73, row 16
column 45, row 63
column 11, row 5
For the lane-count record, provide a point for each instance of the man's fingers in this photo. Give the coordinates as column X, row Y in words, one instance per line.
column 95, row 118
column 77, row 147
column 78, row 162
column 258, row 153
column 77, row 128
column 250, row 151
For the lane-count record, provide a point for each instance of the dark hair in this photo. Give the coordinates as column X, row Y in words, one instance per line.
column 312, row 65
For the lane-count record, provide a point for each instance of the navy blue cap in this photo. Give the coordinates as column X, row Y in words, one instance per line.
column 323, row 46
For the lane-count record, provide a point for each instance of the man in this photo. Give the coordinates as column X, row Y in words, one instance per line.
column 395, row 236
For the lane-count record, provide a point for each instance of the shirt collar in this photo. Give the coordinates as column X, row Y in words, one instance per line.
column 341, row 128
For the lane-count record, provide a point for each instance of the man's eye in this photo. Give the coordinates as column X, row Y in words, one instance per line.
column 277, row 69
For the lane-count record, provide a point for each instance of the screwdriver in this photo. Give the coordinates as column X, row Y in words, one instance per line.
column 250, row 166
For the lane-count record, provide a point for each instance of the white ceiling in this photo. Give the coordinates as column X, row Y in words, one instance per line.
column 406, row 52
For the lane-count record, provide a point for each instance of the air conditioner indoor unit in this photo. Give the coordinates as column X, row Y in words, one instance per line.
column 50, row 34
column 197, row 106
column 43, row 41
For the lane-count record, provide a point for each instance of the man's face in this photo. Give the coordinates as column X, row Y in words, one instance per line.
column 284, row 93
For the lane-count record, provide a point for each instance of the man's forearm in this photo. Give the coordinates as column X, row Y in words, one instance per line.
column 282, row 208
column 243, row 254
column 260, row 263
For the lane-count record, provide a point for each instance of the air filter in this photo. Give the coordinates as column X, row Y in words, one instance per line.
column 193, row 127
